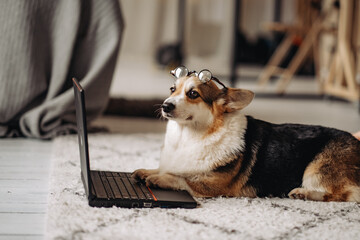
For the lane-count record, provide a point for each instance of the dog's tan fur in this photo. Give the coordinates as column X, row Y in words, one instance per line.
column 221, row 182
column 332, row 176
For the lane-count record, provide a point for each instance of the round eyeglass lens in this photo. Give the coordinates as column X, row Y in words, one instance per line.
column 205, row 76
column 181, row 72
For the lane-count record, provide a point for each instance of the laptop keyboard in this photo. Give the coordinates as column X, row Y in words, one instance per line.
column 115, row 185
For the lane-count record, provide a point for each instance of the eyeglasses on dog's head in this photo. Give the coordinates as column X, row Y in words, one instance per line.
column 204, row 75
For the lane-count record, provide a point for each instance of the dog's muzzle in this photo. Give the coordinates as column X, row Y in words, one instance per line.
column 167, row 107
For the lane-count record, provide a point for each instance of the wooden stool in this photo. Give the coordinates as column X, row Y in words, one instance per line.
column 309, row 24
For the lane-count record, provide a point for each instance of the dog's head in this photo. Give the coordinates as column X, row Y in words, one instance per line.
column 194, row 102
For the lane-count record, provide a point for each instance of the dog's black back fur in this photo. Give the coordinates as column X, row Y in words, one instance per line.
column 281, row 153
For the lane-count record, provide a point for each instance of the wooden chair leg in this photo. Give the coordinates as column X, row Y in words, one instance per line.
column 316, row 55
column 300, row 56
column 276, row 59
column 295, row 63
column 339, row 74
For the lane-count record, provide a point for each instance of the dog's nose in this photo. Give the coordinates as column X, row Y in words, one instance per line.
column 167, row 107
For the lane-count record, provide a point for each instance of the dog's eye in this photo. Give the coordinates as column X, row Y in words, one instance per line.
column 172, row 89
column 193, row 94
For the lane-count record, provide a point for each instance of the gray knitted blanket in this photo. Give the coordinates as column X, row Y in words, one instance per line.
column 44, row 44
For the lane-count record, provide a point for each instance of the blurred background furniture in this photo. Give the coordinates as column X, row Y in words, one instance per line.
column 341, row 78
column 303, row 34
column 336, row 73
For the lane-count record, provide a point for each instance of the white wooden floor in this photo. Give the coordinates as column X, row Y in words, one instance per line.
column 24, row 174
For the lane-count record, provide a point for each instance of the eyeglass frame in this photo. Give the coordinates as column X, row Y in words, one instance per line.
column 172, row 72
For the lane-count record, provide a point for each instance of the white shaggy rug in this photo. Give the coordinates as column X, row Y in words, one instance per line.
column 70, row 217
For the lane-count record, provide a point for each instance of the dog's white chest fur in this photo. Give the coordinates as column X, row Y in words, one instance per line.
column 186, row 150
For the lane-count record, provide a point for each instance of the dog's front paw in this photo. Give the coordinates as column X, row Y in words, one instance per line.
column 141, row 174
column 298, row 193
column 157, row 181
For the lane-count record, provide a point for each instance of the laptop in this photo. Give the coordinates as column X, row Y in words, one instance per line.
column 107, row 189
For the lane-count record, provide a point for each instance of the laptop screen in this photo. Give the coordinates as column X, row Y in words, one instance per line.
column 82, row 134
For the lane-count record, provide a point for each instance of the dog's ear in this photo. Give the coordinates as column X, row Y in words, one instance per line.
column 237, row 99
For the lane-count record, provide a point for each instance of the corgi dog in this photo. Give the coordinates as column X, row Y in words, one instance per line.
column 212, row 149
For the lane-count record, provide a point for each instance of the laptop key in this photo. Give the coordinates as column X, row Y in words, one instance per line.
column 114, row 187
column 106, row 186
column 146, row 191
column 115, row 174
column 137, row 188
column 98, row 186
column 130, row 189
column 122, row 188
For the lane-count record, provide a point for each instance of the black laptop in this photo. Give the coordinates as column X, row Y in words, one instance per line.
column 107, row 189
